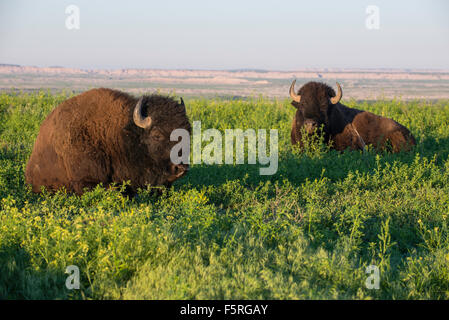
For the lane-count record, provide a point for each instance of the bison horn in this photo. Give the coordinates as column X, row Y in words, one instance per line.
column 337, row 98
column 293, row 95
column 183, row 106
column 137, row 115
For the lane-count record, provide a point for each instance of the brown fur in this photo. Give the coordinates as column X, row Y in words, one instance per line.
column 342, row 123
column 91, row 139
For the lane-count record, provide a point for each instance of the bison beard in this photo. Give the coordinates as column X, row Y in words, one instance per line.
column 107, row 136
column 317, row 105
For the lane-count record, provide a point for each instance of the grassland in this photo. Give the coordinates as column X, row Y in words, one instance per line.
column 225, row 232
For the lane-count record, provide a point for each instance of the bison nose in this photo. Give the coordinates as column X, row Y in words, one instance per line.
column 176, row 171
column 179, row 169
column 310, row 126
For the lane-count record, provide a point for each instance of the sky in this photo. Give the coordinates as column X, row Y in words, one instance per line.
column 217, row 35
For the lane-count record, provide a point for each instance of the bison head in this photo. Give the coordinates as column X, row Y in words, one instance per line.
column 314, row 103
column 159, row 116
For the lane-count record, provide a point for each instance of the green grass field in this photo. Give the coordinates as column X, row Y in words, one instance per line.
column 224, row 231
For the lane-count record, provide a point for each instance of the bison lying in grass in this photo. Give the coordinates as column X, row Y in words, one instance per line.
column 107, row 136
column 319, row 107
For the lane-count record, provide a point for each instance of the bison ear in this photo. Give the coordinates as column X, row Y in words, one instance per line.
column 295, row 104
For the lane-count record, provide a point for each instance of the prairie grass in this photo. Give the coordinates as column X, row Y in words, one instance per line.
column 224, row 231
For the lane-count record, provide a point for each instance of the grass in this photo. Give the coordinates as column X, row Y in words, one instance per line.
column 225, row 232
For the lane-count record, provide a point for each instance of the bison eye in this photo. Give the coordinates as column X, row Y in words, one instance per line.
column 157, row 135
column 158, row 138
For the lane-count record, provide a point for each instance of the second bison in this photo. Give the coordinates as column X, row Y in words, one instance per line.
column 318, row 106
column 107, row 136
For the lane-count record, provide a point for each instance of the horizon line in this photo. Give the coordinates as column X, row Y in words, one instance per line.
column 311, row 69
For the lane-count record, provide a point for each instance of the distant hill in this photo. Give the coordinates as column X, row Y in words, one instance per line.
column 8, row 65
column 19, row 68
column 245, row 82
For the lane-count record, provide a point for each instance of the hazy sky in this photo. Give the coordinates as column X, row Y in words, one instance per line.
column 273, row 35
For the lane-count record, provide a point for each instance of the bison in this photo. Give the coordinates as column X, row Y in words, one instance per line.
column 107, row 136
column 319, row 107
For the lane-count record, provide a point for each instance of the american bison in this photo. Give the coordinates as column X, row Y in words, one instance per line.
column 107, row 136
column 319, row 107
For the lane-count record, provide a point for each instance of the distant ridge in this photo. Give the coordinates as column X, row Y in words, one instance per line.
column 239, row 70
column 248, row 70
column 9, row 65
column 243, row 82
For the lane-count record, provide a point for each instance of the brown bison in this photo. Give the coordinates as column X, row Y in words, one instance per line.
column 318, row 106
column 107, row 136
